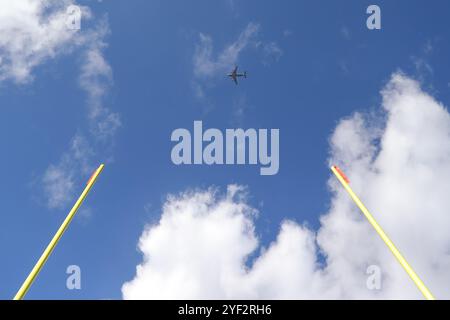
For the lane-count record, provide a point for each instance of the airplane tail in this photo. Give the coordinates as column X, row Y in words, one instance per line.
column 245, row 74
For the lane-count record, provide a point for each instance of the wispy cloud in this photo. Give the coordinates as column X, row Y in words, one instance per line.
column 59, row 179
column 58, row 182
column 95, row 79
column 33, row 32
column 210, row 63
column 207, row 64
column 421, row 61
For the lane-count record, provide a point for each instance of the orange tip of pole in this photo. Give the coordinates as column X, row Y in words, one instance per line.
column 92, row 176
column 342, row 174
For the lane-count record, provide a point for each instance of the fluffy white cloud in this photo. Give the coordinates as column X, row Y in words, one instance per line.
column 222, row 223
column 399, row 164
column 32, row 31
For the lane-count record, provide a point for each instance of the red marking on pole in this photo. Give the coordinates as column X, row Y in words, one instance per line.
column 342, row 174
column 92, row 176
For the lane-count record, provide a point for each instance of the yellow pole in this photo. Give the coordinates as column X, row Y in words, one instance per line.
column 33, row 274
column 345, row 182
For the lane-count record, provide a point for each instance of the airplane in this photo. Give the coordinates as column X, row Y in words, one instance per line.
column 235, row 75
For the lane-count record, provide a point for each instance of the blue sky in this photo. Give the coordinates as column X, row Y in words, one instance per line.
column 327, row 65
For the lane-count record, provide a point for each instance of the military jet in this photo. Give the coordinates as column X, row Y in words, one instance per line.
column 235, row 75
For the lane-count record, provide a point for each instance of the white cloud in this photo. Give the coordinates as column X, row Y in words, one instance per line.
column 399, row 164
column 58, row 185
column 82, row 152
column 96, row 78
column 199, row 250
column 35, row 31
column 81, row 159
column 31, row 32
column 59, row 179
